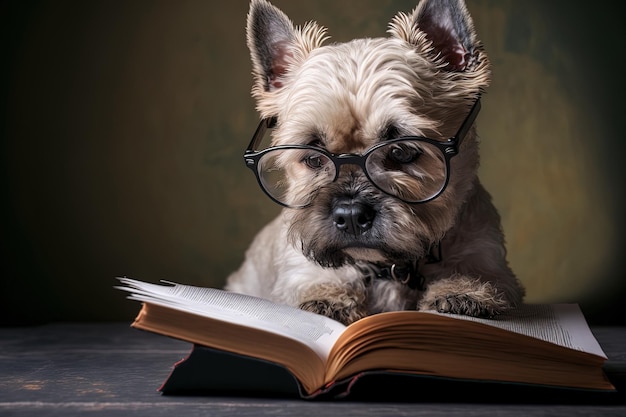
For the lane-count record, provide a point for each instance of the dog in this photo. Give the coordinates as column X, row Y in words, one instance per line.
column 374, row 156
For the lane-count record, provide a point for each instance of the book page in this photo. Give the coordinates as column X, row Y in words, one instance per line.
column 316, row 331
column 561, row 324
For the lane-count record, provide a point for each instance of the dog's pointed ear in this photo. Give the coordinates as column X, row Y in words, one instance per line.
column 448, row 28
column 276, row 45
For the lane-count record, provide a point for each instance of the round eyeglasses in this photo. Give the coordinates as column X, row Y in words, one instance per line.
column 413, row 169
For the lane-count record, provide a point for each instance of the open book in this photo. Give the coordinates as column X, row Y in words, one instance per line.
column 548, row 345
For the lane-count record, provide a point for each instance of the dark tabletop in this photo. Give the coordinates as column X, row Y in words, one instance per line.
column 111, row 370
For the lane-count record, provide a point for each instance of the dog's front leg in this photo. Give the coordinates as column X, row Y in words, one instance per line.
column 473, row 278
column 461, row 294
column 343, row 302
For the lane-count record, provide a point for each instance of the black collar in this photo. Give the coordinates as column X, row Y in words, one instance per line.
column 408, row 273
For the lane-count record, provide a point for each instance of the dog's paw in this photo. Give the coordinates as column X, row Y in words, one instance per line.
column 342, row 312
column 463, row 295
column 344, row 303
column 467, row 305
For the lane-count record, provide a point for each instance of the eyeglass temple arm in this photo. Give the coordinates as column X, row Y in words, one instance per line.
column 270, row 122
column 265, row 124
column 469, row 121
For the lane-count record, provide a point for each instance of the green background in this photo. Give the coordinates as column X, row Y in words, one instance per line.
column 122, row 126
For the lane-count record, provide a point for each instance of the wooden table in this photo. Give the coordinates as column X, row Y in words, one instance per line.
column 111, row 369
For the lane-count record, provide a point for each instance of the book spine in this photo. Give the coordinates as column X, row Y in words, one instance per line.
column 211, row 371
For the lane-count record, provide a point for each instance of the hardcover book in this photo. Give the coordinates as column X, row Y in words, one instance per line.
column 250, row 345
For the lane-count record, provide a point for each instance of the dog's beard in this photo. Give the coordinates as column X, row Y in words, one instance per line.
column 399, row 233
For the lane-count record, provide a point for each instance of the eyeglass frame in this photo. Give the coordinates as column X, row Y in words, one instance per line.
column 449, row 149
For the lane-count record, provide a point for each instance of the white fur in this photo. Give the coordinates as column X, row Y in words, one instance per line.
column 275, row 270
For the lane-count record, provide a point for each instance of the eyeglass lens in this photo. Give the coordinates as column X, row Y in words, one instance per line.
column 412, row 170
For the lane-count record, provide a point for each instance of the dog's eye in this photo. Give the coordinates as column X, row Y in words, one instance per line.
column 314, row 161
column 404, row 154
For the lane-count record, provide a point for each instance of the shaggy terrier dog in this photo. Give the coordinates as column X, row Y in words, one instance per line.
column 374, row 157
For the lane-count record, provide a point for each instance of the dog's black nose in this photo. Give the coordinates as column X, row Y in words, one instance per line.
column 353, row 217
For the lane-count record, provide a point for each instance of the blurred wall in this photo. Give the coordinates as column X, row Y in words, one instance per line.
column 122, row 126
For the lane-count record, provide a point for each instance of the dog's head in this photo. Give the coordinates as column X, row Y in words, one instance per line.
column 368, row 155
